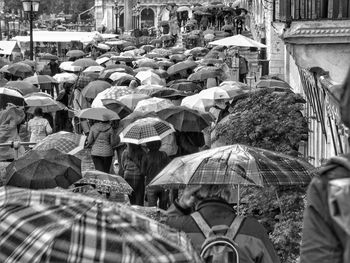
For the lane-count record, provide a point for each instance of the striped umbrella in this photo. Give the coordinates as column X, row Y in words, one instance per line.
column 146, row 130
column 61, row 226
column 235, row 165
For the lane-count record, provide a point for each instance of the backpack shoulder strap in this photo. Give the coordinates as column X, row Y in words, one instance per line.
column 201, row 223
column 234, row 227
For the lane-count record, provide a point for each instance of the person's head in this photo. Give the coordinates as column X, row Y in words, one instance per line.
column 133, row 148
column 38, row 112
column 345, row 102
column 154, row 146
column 214, row 191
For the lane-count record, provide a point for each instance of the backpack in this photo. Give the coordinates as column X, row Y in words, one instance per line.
column 219, row 245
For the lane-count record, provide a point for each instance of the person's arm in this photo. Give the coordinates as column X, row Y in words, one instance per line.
column 90, row 138
column 183, row 206
column 48, row 128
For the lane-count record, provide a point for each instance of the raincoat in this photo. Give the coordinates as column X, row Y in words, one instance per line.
column 102, row 138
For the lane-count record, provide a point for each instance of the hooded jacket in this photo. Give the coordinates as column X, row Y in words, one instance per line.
column 103, row 138
column 251, row 238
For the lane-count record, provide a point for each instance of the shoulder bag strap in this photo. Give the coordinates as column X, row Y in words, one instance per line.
column 234, row 227
column 203, row 226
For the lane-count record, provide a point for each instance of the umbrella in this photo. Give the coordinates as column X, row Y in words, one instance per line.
column 44, row 169
column 118, row 107
column 131, row 100
column 75, row 54
column 209, row 37
column 20, row 69
column 85, row 62
column 30, row 63
column 102, row 60
column 65, row 142
column 120, row 77
column 95, row 87
column 23, row 87
column 39, row 93
column 127, row 69
column 177, row 57
column 45, row 103
column 149, row 78
column 235, row 165
column 150, row 64
column 186, row 86
column 131, row 118
column 40, row 79
column 103, row 46
column 48, row 56
column 205, row 73
column 104, row 182
column 97, row 113
column 67, row 66
column 228, row 27
column 128, row 48
column 268, row 83
column 239, row 41
column 10, row 96
column 214, row 93
column 155, row 41
column 148, row 89
column 124, row 58
column 185, row 119
column 60, row 226
column 188, row 64
column 111, row 93
column 93, row 69
column 148, row 48
column 153, row 104
column 165, row 63
column 65, row 77
column 197, row 103
column 168, row 93
column 145, row 130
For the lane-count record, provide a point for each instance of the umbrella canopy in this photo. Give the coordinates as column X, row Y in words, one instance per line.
column 188, row 64
column 22, row 87
column 98, row 113
column 48, row 56
column 153, row 104
column 65, row 77
column 168, row 93
column 148, row 48
column 268, row 83
column 93, row 69
column 20, row 69
column 40, row 79
column 205, row 73
column 239, row 41
column 67, row 66
column 105, row 183
column 120, row 77
column 10, row 96
column 60, row 226
column 131, row 100
column 149, row 78
column 75, row 54
column 45, row 103
column 186, row 86
column 85, row 62
column 94, row 88
column 214, row 93
column 149, row 89
column 146, row 130
column 197, row 103
column 177, row 57
column 118, row 107
column 103, row 60
column 235, row 165
column 185, row 119
column 65, row 142
column 44, row 169
column 111, row 93
column 128, row 69
column 103, row 46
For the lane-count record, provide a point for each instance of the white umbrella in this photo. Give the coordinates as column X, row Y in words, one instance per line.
column 239, row 41
column 153, row 105
column 65, row 77
column 214, row 93
column 102, row 60
column 67, row 66
column 197, row 103
column 93, row 69
column 149, row 77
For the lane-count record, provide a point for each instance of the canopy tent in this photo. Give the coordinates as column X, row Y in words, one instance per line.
column 7, row 47
column 239, row 41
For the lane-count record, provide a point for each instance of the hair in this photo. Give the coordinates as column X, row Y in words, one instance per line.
column 38, row 112
column 215, row 191
column 154, row 146
column 135, row 152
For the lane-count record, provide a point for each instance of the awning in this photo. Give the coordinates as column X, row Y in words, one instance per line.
column 238, row 41
column 7, row 47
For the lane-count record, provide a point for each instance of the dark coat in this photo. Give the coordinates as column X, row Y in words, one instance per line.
column 251, row 238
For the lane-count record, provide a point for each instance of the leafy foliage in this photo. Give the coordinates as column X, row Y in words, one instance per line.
column 273, row 121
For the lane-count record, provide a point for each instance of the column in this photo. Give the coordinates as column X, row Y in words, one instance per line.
column 128, row 15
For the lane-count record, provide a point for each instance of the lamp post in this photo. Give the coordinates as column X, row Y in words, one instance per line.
column 116, row 5
column 31, row 7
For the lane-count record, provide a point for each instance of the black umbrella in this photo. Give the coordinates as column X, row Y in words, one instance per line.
column 118, row 107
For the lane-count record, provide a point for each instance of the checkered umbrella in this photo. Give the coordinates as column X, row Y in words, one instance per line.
column 65, row 142
column 146, row 130
column 235, row 165
column 113, row 93
column 60, row 226
column 153, row 104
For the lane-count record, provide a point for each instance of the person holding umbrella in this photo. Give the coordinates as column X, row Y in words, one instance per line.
column 39, row 127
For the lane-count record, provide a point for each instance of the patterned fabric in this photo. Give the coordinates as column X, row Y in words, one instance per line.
column 65, row 142
column 235, row 165
column 146, row 130
column 59, row 226
column 39, row 128
column 153, row 104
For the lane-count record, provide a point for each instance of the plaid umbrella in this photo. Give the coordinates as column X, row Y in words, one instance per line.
column 95, row 87
column 146, row 130
column 98, row 113
column 131, row 100
column 235, row 165
column 47, row 104
column 185, row 119
column 65, row 77
column 44, row 169
column 112, row 93
column 153, row 104
column 20, row 69
column 66, row 142
column 40, row 79
column 105, row 183
column 60, row 226
column 22, row 87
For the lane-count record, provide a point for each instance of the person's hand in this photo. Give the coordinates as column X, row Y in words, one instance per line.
column 188, row 199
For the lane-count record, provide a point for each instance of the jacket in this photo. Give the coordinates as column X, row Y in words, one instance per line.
column 323, row 240
column 153, row 163
column 132, row 170
column 39, row 128
column 251, row 238
column 103, row 138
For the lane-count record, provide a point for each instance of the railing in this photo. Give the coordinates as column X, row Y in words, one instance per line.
column 291, row 10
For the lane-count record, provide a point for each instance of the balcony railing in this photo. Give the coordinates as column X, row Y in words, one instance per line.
column 290, row 10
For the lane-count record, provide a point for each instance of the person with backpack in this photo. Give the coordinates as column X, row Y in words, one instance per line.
column 326, row 223
column 216, row 231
